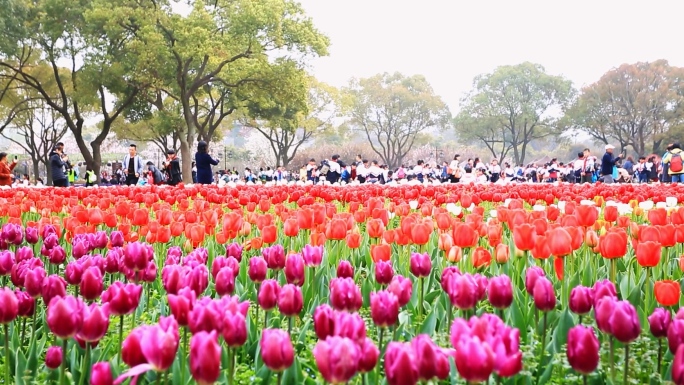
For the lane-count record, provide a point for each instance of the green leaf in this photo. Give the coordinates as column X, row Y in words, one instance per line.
column 560, row 334
column 428, row 326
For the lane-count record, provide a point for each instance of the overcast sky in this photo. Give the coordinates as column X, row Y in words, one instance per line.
column 452, row 41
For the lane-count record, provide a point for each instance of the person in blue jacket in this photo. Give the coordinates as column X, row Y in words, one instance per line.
column 204, row 161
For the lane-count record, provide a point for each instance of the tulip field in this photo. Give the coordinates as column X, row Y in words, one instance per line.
column 242, row 284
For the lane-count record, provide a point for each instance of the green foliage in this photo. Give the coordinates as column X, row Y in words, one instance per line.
column 513, row 106
column 393, row 110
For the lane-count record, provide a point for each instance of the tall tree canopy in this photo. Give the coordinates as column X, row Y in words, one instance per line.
column 634, row 105
column 393, row 110
column 513, row 106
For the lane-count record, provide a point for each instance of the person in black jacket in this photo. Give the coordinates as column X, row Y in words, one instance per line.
column 608, row 163
column 57, row 164
column 172, row 168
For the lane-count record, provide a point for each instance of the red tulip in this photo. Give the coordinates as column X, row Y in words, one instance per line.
column 291, row 227
column 420, row 233
column 276, row 349
column 481, row 257
column 587, row 215
column 524, row 237
column 65, row 316
column 559, row 241
column 53, row 357
column 583, row 349
column 648, row 253
column 613, row 245
column 381, row 252
column 667, row 292
column 610, row 213
column 464, row 236
column 502, row 253
column 269, row 234
column 657, row 216
column 205, row 358
column 401, row 366
column 337, row 359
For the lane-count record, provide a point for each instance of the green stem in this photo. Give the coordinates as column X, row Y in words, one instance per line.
column 613, row 270
column 185, row 354
column 231, row 365
column 660, row 353
column 626, row 373
column 543, row 345
column 380, row 335
column 420, row 298
column 611, row 343
column 289, row 325
column 258, row 285
column 62, row 368
column 7, row 354
column 85, row 364
column 121, row 322
column 266, row 319
column 584, row 379
column 647, row 295
column 23, row 331
column 166, row 377
column 280, row 377
column 450, row 314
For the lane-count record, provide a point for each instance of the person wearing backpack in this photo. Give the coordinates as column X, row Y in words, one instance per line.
column 675, row 164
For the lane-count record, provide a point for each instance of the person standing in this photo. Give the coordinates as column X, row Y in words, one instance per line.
column 203, row 162
column 57, row 163
column 6, row 169
column 132, row 166
column 673, row 160
column 172, row 168
column 335, row 171
column 455, row 169
column 90, row 177
column 608, row 164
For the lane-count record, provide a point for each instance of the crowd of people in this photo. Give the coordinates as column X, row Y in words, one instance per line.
column 586, row 168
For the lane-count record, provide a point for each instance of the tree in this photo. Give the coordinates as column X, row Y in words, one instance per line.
column 517, row 102
column 633, row 105
column 36, row 129
column 71, row 47
column 287, row 125
column 471, row 129
column 204, row 60
column 392, row 110
column 160, row 127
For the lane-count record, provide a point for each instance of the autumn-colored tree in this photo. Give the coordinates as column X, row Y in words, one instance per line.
column 634, row 105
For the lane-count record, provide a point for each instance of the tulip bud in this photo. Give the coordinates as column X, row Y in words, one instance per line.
column 455, row 254
column 290, row 300
column 92, row 283
column 268, row 294
column 276, row 349
column 324, row 321
column 234, row 329
column 345, row 270
column 345, row 294
column 401, row 365
column 624, row 322
column 384, row 308
column 369, row 356
column 502, row 253
column 659, row 322
column 383, row 272
column 531, row 276
column 53, row 357
column 337, row 359
column 543, row 294
column 581, row 300
column 420, row 264
column 313, row 255
column 604, row 288
column 205, row 358
column 500, row 292
column 402, row 288
column 101, row 374
column 65, row 316
column 294, row 269
column 224, row 283
column 583, row 349
column 257, row 269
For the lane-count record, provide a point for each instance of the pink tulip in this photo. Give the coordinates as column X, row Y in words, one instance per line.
column 9, row 306
column 345, row 270
column 350, row 325
column 268, row 294
column 474, row 359
column 159, row 343
column 624, row 322
column 383, row 272
column 65, row 316
column 294, row 269
column 337, row 359
column 205, row 358
column 101, row 374
column 290, row 300
column 274, row 256
column 581, row 299
column 544, row 296
column 234, row 329
column 369, row 356
column 500, row 292
column 384, row 308
column 95, row 323
column 257, row 269
column 432, row 361
column 401, row 365
column 659, row 322
column 402, row 288
column 225, row 281
column 324, row 321
column 313, row 255
column 92, row 283
column 276, row 349
column 181, row 305
column 531, row 276
column 53, row 357
column 345, row 294
column 122, row 298
column 421, row 264
column 583, row 349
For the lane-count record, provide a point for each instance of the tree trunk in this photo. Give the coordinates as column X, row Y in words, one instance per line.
column 97, row 159
column 186, row 142
column 36, row 164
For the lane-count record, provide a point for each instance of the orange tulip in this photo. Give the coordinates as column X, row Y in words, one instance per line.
column 389, row 236
column 375, row 228
column 481, row 257
column 445, row 242
column 291, row 227
column 667, row 292
column 420, row 233
column 336, row 229
column 494, row 233
column 317, row 238
column 269, row 234
column 381, row 252
column 353, row 240
column 591, row 239
column 541, row 248
column 455, row 254
column 559, row 241
column 465, row 236
column 503, row 253
column 524, row 237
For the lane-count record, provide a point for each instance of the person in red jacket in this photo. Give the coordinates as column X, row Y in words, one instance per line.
column 6, row 169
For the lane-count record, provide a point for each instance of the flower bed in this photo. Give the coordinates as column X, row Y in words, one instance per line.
column 452, row 284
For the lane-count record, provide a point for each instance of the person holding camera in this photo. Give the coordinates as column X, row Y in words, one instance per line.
column 6, row 169
column 58, row 163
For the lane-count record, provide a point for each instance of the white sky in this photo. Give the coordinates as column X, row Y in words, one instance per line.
column 452, row 41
